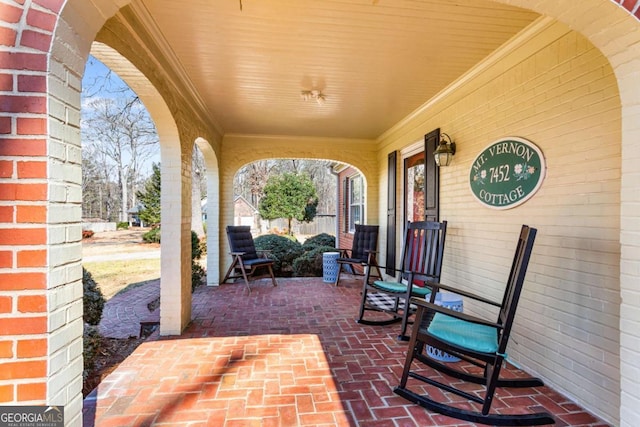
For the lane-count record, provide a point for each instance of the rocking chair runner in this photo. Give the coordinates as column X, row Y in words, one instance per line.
column 420, row 265
column 477, row 341
column 362, row 252
column 246, row 259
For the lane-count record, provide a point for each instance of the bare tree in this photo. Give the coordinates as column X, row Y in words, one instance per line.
column 118, row 140
column 98, row 193
column 249, row 182
column 121, row 133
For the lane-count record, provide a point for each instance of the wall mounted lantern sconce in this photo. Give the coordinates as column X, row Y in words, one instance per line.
column 445, row 150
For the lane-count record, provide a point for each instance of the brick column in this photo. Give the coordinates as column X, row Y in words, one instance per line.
column 24, row 42
column 40, row 213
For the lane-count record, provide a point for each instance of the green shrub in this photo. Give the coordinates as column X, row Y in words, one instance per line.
column 93, row 300
column 93, row 304
column 91, row 341
column 152, row 236
column 309, row 264
column 124, row 225
column 196, row 247
column 197, row 272
column 322, row 239
column 283, row 251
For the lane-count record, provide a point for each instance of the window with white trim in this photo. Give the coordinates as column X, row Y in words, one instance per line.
column 356, row 201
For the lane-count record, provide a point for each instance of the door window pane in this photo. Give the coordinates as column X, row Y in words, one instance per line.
column 414, row 188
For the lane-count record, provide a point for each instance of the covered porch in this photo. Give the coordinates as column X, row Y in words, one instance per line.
column 292, row 355
column 223, row 75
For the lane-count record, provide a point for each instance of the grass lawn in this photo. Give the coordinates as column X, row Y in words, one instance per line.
column 116, row 276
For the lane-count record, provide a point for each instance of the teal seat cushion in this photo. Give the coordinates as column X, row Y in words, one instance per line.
column 464, row 334
column 400, row 288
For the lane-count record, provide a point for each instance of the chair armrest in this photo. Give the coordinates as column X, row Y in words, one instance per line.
column 428, row 278
column 237, row 253
column 449, row 312
column 264, row 253
column 415, row 273
column 438, row 286
column 344, row 253
column 371, row 258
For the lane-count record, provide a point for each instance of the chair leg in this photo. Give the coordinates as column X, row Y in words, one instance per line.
column 413, row 349
column 273, row 277
column 379, row 272
column 244, row 276
column 231, row 268
column 363, row 302
column 338, row 275
column 405, row 316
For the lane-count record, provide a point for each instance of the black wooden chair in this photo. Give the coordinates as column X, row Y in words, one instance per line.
column 478, row 341
column 361, row 254
column 246, row 259
column 420, row 265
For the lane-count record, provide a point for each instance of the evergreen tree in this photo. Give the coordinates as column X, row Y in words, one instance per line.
column 290, row 196
column 150, row 197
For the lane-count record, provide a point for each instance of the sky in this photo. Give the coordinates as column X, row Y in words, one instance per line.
column 100, row 82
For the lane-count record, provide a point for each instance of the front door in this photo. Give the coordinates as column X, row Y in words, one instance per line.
column 421, row 184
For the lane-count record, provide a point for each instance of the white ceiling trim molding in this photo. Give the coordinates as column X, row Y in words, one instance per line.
column 183, row 82
column 301, row 138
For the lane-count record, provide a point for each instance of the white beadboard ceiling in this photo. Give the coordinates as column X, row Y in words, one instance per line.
column 376, row 61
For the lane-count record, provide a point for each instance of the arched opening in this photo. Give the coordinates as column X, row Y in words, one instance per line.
column 251, row 179
column 173, row 280
column 121, row 253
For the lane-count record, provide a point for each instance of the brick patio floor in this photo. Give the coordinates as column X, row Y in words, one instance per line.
column 290, row 355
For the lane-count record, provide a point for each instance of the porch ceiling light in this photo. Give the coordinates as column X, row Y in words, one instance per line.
column 445, row 150
column 313, row 94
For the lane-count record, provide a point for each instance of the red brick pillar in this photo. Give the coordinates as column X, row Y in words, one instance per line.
column 25, row 39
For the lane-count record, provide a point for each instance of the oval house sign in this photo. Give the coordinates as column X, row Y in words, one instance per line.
column 507, row 173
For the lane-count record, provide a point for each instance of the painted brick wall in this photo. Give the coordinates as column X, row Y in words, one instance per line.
column 24, row 298
column 344, row 238
column 561, row 95
column 40, row 198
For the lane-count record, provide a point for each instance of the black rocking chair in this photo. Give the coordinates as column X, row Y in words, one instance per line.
column 420, row 265
column 361, row 254
column 246, row 259
column 477, row 341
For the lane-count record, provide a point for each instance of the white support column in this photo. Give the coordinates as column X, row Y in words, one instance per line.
column 213, row 211
column 213, row 224
column 175, row 268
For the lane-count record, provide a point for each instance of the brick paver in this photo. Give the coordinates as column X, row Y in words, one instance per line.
column 290, row 355
column 123, row 313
